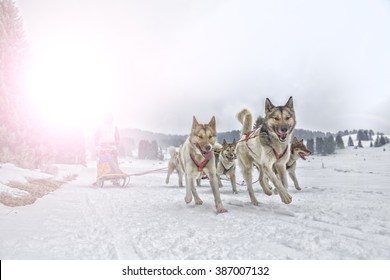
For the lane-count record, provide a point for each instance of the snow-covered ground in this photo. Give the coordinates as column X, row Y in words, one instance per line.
column 342, row 212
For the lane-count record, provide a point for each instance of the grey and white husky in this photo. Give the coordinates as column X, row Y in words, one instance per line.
column 226, row 164
column 267, row 147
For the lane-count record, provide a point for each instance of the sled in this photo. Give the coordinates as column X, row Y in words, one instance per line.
column 108, row 169
column 117, row 179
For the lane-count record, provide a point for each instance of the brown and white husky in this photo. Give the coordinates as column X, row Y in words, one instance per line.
column 196, row 156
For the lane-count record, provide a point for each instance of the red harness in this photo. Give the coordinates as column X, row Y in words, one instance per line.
column 251, row 134
column 202, row 164
column 277, row 155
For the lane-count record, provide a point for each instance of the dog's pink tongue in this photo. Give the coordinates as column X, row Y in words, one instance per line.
column 208, row 155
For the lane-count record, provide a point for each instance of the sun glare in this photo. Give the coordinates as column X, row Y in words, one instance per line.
column 72, row 85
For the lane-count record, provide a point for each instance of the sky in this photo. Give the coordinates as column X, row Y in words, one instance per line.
column 155, row 64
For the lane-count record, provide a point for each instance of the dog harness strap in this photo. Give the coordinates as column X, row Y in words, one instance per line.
column 225, row 171
column 200, row 165
column 289, row 166
column 277, row 155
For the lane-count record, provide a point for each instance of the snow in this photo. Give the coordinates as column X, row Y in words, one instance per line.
column 342, row 212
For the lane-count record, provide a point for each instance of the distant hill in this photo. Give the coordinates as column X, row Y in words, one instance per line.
column 131, row 137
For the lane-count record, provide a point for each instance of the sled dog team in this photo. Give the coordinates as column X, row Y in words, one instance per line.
column 268, row 147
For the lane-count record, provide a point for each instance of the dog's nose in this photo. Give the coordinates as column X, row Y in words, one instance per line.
column 283, row 129
column 208, row 147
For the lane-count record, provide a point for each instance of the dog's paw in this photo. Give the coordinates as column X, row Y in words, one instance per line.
column 221, row 210
column 287, row 198
column 235, row 191
column 198, row 201
column 298, row 188
column 188, row 198
column 255, row 202
column 267, row 191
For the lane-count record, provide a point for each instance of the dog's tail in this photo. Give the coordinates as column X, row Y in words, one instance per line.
column 246, row 119
column 172, row 151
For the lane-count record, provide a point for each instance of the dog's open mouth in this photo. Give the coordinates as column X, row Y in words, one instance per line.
column 206, row 154
column 230, row 158
column 302, row 155
column 281, row 135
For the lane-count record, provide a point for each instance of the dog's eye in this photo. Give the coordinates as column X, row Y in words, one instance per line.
column 287, row 118
column 276, row 118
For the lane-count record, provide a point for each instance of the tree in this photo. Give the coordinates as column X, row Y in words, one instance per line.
column 360, row 135
column 310, row 145
column 339, row 141
column 350, row 142
column 382, row 141
column 13, row 52
column 360, row 144
column 319, row 145
column 258, row 122
column 329, row 145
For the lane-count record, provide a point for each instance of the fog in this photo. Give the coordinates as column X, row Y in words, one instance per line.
column 176, row 59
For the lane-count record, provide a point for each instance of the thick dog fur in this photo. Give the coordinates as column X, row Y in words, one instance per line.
column 174, row 164
column 226, row 164
column 298, row 150
column 198, row 148
column 266, row 147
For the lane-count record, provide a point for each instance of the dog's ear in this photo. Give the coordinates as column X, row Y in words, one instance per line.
column 268, row 105
column 290, row 103
column 295, row 139
column 234, row 142
column 212, row 122
column 194, row 122
column 301, row 141
column 224, row 142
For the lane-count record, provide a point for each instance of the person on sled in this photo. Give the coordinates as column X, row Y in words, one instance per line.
column 107, row 145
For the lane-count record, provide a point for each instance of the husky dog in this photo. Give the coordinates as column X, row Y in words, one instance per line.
column 173, row 165
column 196, row 155
column 226, row 163
column 266, row 147
column 298, row 150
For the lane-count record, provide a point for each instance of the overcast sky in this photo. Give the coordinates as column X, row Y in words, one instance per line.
column 173, row 59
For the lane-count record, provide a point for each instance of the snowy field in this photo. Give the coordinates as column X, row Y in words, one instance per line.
column 342, row 212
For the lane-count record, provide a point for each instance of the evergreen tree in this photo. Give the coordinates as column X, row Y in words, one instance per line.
column 339, row 141
column 371, row 145
column 310, row 145
column 360, row 144
column 376, row 144
column 382, row 141
column 258, row 122
column 350, row 142
column 360, row 135
column 142, row 149
column 329, row 145
column 320, row 145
